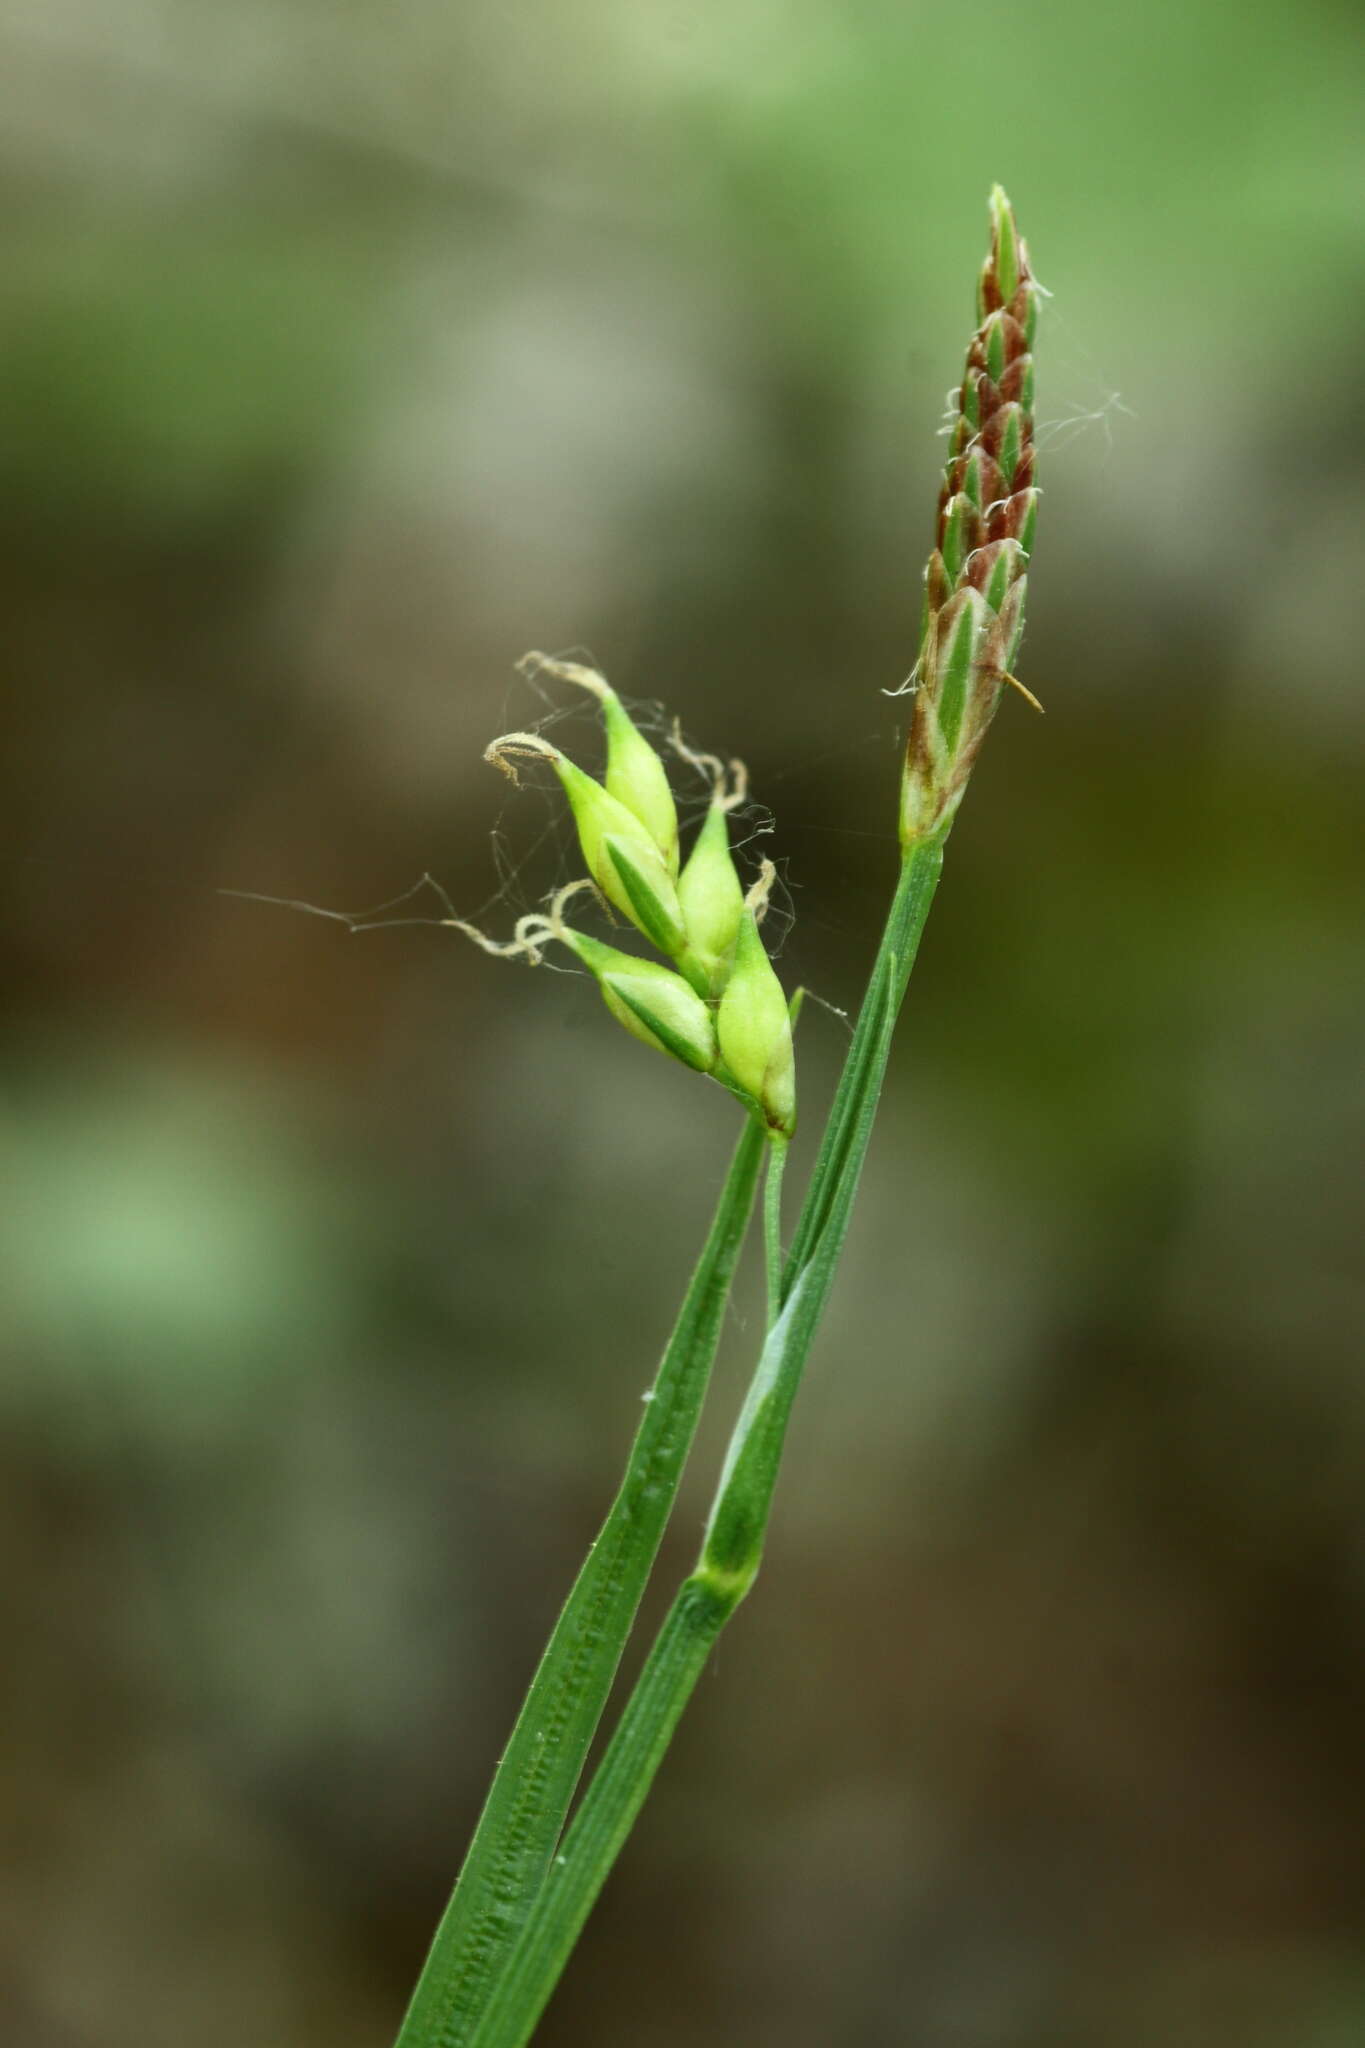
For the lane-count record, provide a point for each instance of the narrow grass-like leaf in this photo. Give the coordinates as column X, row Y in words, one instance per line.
column 619, row 1788
column 526, row 1808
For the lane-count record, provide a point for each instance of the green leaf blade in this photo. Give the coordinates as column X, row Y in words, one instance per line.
column 524, row 1816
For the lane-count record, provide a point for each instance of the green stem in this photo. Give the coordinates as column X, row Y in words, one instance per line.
column 772, row 1223
column 535, row 1781
column 733, row 1543
column 920, row 870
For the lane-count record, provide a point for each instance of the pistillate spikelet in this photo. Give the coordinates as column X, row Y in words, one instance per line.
column 975, row 581
column 720, row 1009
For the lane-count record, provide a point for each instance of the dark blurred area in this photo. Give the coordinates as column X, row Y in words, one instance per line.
column 344, row 354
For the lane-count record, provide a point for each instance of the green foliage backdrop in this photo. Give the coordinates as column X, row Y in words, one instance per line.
column 346, row 353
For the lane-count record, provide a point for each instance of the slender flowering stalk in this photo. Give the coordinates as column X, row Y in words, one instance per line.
column 973, row 619
column 529, row 1799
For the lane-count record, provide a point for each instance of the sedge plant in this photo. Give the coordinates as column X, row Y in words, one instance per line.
column 710, row 998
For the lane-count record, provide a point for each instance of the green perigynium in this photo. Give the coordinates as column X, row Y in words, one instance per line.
column 655, row 1005
column 753, row 1026
column 624, row 859
column 635, row 775
column 638, row 777
column 712, row 899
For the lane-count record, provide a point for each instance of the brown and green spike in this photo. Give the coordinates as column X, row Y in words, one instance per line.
column 976, row 578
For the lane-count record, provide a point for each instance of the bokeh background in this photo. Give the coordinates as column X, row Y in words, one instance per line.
column 344, row 354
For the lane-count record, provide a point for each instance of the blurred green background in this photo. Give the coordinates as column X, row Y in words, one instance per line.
column 346, row 352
